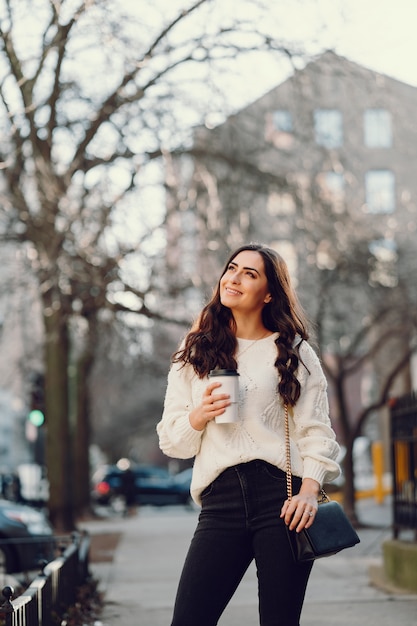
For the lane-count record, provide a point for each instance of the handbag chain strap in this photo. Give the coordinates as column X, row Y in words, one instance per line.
column 288, row 454
column 323, row 497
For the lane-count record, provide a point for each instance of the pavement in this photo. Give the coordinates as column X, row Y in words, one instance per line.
column 347, row 589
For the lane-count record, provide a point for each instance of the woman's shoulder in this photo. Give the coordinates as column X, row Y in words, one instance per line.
column 306, row 351
column 184, row 372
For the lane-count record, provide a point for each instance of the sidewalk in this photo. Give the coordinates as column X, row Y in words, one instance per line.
column 140, row 583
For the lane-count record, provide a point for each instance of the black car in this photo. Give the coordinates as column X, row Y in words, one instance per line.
column 142, row 484
column 26, row 538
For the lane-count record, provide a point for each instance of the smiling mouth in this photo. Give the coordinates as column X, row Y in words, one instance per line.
column 233, row 292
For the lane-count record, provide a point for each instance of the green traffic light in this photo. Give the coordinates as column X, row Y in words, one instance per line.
column 36, row 417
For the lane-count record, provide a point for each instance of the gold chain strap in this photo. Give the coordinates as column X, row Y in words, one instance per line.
column 288, row 453
column 323, row 497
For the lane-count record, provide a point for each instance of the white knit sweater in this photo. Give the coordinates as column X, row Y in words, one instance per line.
column 260, row 433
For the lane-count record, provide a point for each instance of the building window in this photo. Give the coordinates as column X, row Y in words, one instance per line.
column 380, row 191
column 383, row 262
column 332, row 189
column 377, row 128
column 282, row 120
column 333, row 183
column 279, row 129
column 280, row 204
column 328, row 127
column 288, row 251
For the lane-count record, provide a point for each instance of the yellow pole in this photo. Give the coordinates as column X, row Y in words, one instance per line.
column 378, row 465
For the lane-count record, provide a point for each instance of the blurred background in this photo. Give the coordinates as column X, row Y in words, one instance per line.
column 140, row 143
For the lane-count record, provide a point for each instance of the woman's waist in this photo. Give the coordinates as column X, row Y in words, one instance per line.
column 254, row 467
column 206, row 470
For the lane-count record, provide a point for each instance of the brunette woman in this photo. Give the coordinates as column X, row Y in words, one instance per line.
column 254, row 324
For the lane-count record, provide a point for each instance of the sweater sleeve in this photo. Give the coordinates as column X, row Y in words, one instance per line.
column 313, row 433
column 177, row 438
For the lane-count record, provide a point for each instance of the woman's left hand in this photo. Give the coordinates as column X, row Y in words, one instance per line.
column 300, row 511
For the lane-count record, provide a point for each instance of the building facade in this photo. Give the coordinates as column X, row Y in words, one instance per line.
column 321, row 168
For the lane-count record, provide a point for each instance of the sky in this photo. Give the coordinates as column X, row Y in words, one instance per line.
column 379, row 34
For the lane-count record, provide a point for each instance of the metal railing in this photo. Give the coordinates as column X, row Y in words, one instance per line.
column 53, row 591
column 403, row 414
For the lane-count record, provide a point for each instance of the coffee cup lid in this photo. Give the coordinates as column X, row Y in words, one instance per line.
column 223, row 373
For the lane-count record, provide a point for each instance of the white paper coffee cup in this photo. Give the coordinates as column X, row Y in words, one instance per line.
column 230, row 384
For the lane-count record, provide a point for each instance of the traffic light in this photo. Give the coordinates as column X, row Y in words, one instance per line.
column 36, row 417
column 37, row 400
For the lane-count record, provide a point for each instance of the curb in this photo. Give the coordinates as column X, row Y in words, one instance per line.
column 379, row 580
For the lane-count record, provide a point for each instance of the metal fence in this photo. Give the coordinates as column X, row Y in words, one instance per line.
column 403, row 414
column 53, row 591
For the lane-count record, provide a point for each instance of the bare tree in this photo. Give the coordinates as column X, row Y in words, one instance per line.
column 367, row 334
column 90, row 95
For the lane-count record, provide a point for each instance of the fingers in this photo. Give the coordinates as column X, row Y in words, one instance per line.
column 299, row 513
column 307, row 519
column 214, row 404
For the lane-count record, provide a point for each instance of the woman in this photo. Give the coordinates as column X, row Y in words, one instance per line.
column 254, row 324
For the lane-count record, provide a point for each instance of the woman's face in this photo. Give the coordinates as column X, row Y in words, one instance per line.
column 244, row 286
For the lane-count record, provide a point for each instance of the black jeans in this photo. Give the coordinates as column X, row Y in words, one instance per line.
column 239, row 522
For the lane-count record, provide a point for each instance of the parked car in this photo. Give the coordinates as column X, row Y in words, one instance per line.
column 152, row 485
column 26, row 538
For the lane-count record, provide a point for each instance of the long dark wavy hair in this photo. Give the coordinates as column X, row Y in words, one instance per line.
column 211, row 343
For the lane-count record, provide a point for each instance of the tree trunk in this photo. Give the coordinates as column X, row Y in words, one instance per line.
column 82, row 424
column 348, row 441
column 349, row 484
column 58, row 447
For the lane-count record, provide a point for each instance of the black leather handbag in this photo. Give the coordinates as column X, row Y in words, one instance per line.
column 331, row 531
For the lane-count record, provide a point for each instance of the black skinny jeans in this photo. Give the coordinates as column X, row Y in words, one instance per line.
column 239, row 522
